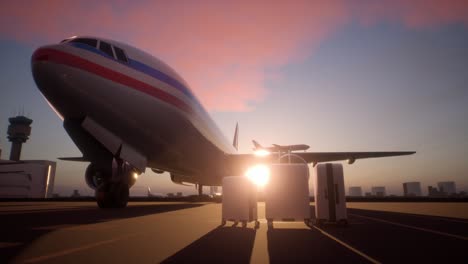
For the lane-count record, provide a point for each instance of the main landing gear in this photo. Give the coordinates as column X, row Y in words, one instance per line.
column 112, row 195
column 111, row 184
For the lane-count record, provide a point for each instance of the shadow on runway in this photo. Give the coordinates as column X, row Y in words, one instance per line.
column 221, row 245
column 306, row 246
column 22, row 228
column 379, row 234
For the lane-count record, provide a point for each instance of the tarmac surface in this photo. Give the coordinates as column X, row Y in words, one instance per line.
column 177, row 232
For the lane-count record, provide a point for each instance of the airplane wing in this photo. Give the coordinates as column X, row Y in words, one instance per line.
column 83, row 159
column 239, row 162
column 316, row 157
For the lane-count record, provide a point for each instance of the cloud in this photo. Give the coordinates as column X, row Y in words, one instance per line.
column 225, row 50
column 416, row 14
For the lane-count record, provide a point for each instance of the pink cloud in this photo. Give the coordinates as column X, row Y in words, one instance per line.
column 225, row 50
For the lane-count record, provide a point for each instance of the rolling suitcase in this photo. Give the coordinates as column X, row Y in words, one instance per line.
column 287, row 194
column 239, row 203
column 330, row 203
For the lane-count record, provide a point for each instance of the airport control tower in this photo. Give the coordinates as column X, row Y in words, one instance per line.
column 18, row 133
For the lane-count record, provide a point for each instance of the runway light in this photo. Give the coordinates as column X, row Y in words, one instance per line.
column 259, row 175
column 262, row 153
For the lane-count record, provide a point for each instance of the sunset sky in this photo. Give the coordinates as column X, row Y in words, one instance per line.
column 336, row 75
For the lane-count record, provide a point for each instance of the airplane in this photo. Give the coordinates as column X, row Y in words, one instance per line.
column 149, row 193
column 126, row 110
column 280, row 148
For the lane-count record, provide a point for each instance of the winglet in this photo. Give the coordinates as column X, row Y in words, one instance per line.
column 235, row 141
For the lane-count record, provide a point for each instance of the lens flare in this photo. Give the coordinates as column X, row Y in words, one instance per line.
column 259, row 175
column 262, row 153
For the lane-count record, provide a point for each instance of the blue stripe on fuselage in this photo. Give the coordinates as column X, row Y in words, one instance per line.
column 141, row 67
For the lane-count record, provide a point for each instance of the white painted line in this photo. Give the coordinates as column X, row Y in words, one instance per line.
column 76, row 249
column 412, row 227
column 436, row 217
column 370, row 259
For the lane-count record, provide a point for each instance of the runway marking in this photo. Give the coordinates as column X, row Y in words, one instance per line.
column 413, row 227
column 76, row 249
column 370, row 259
column 443, row 218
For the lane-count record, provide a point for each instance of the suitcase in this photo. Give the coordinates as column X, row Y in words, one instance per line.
column 287, row 194
column 239, row 202
column 330, row 202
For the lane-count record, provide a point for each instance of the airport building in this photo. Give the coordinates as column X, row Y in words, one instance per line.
column 355, row 191
column 412, row 189
column 378, row 191
column 447, row 188
column 27, row 179
column 214, row 190
column 24, row 178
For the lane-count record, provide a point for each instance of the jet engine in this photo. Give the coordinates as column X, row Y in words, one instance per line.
column 95, row 176
column 180, row 179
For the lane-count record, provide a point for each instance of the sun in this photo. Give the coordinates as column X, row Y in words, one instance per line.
column 259, row 175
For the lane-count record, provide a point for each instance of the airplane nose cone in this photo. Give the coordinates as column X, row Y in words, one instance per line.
column 41, row 54
column 40, row 69
column 47, row 76
column 55, row 80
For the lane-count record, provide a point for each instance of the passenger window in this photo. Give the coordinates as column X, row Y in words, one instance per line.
column 120, row 54
column 106, row 48
column 87, row 41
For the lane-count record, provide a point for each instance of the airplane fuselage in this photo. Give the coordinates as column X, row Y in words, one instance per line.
column 138, row 99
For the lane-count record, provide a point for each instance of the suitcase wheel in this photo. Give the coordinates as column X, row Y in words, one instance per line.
column 270, row 224
column 343, row 222
column 257, row 224
column 319, row 222
column 244, row 224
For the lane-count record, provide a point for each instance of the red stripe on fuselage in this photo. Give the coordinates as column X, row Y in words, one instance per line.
column 68, row 59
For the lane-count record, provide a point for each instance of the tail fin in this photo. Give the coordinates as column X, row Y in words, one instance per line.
column 235, row 141
column 256, row 144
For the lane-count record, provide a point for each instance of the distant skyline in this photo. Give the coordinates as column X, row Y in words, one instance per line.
column 336, row 75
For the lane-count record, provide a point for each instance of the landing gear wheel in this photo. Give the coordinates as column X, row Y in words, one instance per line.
column 112, row 195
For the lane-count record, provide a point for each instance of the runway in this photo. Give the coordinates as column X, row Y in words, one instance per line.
column 177, row 232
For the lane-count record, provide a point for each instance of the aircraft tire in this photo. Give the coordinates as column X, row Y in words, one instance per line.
column 112, row 195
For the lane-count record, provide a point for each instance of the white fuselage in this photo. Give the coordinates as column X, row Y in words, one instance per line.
column 143, row 102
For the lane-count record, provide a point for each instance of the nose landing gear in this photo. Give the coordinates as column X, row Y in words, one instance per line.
column 112, row 185
column 112, row 195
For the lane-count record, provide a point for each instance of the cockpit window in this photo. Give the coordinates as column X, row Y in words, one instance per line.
column 87, row 41
column 106, row 48
column 120, row 54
